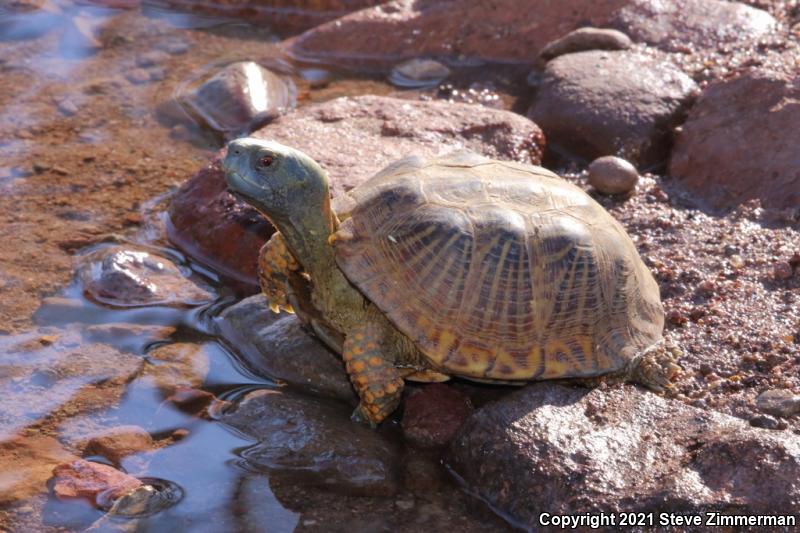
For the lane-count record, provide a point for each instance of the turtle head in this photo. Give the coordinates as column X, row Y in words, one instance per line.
column 279, row 181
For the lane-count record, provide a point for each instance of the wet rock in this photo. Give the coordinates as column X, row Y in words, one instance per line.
column 584, row 39
column 98, row 483
column 739, row 142
column 403, row 29
column 314, row 441
column 209, row 224
column 277, row 347
column 119, row 442
column 613, row 175
column 238, row 97
column 282, row 16
column 688, row 24
column 622, row 103
column 433, row 415
column 572, row 450
column 122, row 277
column 180, row 364
column 416, row 73
column 26, row 463
column 134, row 338
column 779, row 402
column 352, row 138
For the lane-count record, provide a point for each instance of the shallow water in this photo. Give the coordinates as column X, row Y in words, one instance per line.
column 89, row 158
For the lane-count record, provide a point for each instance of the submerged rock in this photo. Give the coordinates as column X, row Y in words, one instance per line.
column 622, row 103
column 691, row 24
column 561, row 450
column 98, row 483
column 239, row 97
column 352, row 138
column 740, row 142
column 277, row 347
column 27, row 463
column 584, row 39
column 123, row 277
column 118, row 442
column 314, row 441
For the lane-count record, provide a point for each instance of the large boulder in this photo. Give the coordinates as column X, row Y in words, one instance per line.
column 498, row 30
column 684, row 25
column 740, row 142
column 563, row 450
column 625, row 103
column 352, row 138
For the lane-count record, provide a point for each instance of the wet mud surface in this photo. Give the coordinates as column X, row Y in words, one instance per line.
column 94, row 144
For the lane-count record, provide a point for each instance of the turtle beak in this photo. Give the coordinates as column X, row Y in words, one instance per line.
column 236, row 166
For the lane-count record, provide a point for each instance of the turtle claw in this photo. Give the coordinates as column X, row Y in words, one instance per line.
column 359, row 416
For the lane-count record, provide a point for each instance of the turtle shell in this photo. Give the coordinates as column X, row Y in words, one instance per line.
column 497, row 270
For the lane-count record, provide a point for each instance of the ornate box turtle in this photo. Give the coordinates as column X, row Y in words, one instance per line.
column 460, row 265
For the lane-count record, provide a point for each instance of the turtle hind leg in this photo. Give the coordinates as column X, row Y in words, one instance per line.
column 375, row 379
column 655, row 368
column 275, row 263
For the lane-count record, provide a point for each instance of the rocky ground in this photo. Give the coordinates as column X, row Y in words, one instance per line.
column 123, row 345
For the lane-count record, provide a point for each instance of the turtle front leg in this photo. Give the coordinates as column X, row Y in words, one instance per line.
column 275, row 262
column 375, row 379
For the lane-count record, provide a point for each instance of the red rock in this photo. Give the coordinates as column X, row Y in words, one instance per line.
column 740, row 142
column 209, row 224
column 572, row 450
column 599, row 103
column 501, row 30
column 686, row 24
column 281, row 15
column 119, row 442
column 98, row 483
column 352, row 138
column 432, row 416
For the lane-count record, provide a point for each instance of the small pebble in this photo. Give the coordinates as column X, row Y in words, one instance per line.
column 782, row 270
column 613, row 175
column 764, row 422
column 152, row 58
column 416, row 73
column 157, row 73
column 67, row 108
column 736, row 261
column 174, row 47
column 138, row 76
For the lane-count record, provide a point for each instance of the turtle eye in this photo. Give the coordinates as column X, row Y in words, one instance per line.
column 266, row 160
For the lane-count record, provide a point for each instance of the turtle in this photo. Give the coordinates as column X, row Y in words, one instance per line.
column 457, row 265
